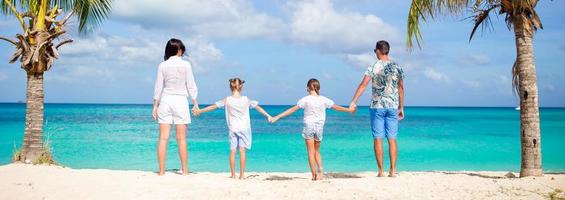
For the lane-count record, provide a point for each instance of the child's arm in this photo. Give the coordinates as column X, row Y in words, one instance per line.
column 285, row 113
column 342, row 109
column 209, row 108
column 263, row 112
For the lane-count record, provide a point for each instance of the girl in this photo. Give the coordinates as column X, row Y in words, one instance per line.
column 314, row 106
column 174, row 83
column 238, row 120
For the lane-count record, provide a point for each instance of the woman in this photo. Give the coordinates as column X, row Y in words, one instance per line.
column 174, row 84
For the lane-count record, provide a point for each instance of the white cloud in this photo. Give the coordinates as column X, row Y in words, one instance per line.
column 204, row 55
column 360, row 61
column 435, row 75
column 317, row 22
column 312, row 22
column 102, row 47
column 474, row 59
column 110, row 58
column 80, row 73
column 137, row 51
column 212, row 18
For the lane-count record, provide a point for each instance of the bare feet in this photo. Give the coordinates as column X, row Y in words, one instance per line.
column 161, row 173
column 320, row 174
column 241, row 177
column 392, row 174
column 381, row 174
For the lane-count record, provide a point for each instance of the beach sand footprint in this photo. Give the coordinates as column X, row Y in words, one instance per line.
column 340, row 176
column 281, row 178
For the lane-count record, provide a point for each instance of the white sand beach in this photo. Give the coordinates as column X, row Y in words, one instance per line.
column 18, row 181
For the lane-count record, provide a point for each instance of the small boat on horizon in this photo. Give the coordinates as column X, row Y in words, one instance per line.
column 517, row 108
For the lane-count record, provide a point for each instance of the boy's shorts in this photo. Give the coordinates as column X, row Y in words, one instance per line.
column 313, row 131
column 173, row 109
column 384, row 123
column 240, row 139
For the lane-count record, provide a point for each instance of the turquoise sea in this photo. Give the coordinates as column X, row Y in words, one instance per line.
column 431, row 138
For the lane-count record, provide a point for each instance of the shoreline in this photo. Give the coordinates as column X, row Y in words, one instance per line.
column 20, row 181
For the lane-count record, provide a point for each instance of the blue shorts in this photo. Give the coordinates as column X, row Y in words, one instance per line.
column 240, row 139
column 384, row 122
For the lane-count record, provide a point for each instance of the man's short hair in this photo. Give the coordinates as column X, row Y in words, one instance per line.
column 383, row 47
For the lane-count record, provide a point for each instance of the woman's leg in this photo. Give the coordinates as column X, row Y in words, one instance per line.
column 318, row 158
column 181, row 141
column 311, row 156
column 242, row 159
column 164, row 131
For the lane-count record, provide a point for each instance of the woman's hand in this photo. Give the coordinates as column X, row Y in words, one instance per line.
column 196, row 110
column 154, row 113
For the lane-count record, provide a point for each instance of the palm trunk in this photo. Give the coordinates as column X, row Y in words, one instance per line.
column 33, row 144
column 528, row 92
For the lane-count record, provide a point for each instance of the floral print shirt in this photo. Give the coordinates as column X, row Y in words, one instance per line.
column 385, row 76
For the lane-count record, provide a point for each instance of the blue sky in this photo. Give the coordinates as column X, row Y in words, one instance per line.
column 276, row 46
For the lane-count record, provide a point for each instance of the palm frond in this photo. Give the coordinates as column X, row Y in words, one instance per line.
column 421, row 9
column 8, row 40
column 482, row 18
column 90, row 13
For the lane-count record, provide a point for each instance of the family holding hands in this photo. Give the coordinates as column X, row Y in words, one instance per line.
column 175, row 82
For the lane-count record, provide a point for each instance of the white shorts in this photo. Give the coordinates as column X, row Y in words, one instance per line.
column 173, row 109
column 313, row 130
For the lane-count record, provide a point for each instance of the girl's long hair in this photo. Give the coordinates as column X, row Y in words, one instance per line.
column 314, row 85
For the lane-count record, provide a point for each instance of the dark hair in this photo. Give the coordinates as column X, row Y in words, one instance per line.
column 236, row 84
column 314, row 85
column 173, row 47
column 383, row 47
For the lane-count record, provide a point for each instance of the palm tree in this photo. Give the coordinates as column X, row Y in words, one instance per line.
column 42, row 24
column 521, row 17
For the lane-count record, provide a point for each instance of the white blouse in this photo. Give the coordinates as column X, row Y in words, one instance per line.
column 174, row 77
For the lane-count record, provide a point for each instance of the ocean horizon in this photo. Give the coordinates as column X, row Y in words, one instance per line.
column 431, row 138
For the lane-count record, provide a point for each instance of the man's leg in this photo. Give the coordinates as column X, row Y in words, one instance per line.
column 393, row 153
column 378, row 148
column 378, row 128
column 391, row 127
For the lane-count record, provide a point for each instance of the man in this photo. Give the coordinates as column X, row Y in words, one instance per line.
column 387, row 103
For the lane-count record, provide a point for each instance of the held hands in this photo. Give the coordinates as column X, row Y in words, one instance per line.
column 352, row 108
column 272, row 120
column 196, row 110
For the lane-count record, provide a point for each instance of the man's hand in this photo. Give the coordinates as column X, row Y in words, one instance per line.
column 154, row 113
column 400, row 114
